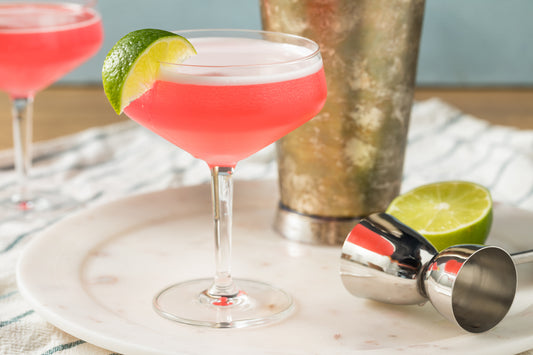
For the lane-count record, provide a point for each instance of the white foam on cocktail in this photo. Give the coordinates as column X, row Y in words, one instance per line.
column 241, row 61
column 21, row 17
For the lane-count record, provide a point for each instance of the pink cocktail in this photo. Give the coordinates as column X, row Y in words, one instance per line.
column 240, row 93
column 44, row 41
column 222, row 119
column 41, row 41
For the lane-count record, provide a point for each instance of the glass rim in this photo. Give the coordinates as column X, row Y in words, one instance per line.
column 84, row 3
column 87, row 5
column 315, row 51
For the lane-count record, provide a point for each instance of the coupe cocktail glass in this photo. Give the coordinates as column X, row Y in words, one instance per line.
column 40, row 42
column 241, row 92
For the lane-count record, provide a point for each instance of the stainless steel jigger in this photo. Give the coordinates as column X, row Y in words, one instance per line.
column 471, row 285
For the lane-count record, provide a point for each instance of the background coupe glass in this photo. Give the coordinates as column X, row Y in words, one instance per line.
column 40, row 42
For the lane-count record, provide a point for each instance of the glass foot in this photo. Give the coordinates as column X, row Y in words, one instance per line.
column 40, row 202
column 256, row 304
column 33, row 204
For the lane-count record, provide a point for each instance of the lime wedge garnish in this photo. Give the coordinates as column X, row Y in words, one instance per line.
column 446, row 213
column 131, row 66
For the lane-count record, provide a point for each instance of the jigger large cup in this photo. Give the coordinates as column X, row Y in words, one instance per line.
column 471, row 285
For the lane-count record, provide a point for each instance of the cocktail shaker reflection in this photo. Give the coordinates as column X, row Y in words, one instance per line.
column 347, row 162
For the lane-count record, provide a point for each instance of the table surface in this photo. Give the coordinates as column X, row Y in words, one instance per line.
column 104, row 169
column 62, row 110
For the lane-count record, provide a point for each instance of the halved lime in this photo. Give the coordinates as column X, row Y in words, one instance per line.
column 446, row 213
column 131, row 66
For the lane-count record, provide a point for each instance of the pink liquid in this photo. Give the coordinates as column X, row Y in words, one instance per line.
column 42, row 42
column 224, row 124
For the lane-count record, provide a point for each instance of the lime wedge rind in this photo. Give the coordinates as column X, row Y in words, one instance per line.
column 131, row 66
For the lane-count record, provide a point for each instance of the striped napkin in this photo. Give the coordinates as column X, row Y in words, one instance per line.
column 112, row 162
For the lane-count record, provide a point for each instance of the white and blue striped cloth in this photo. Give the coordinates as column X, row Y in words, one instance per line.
column 112, row 162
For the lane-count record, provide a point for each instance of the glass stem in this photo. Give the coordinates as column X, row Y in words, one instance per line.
column 22, row 110
column 222, row 194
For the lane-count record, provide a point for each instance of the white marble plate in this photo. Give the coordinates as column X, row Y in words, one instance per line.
column 93, row 275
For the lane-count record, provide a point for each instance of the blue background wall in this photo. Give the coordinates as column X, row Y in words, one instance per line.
column 464, row 42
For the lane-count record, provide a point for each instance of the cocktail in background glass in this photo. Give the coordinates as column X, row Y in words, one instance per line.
column 40, row 42
column 241, row 92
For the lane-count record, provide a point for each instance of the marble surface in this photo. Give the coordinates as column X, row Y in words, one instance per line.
column 93, row 275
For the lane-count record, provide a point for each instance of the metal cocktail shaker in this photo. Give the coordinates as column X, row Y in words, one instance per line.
column 347, row 162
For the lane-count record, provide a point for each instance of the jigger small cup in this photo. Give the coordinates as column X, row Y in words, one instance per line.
column 471, row 285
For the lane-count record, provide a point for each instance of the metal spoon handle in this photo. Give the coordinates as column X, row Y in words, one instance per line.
column 522, row 257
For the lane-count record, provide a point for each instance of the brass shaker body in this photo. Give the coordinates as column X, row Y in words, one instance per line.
column 347, row 162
